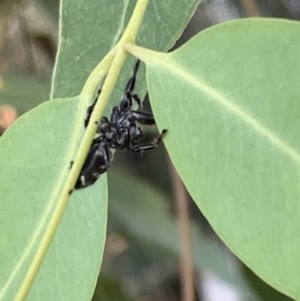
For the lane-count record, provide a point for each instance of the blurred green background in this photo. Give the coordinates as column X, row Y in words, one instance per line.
column 142, row 256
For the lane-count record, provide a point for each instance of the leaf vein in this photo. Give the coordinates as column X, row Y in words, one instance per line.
column 230, row 106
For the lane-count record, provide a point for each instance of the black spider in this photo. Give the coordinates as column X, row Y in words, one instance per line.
column 97, row 162
column 119, row 132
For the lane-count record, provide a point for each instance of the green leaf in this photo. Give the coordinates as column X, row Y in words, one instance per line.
column 35, row 155
column 230, row 99
column 88, row 33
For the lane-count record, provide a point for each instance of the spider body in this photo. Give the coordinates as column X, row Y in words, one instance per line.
column 97, row 162
column 120, row 131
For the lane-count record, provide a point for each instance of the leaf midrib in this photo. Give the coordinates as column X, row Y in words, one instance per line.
column 218, row 97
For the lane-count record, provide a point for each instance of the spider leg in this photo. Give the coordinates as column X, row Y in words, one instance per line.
column 120, row 115
column 131, row 83
column 103, row 125
column 143, row 117
column 134, row 134
column 138, row 101
column 140, row 147
column 126, row 102
column 115, row 115
column 126, row 139
column 121, row 138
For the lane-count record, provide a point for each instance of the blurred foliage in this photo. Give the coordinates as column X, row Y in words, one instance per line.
column 137, row 263
column 109, row 290
column 28, row 32
column 23, row 92
column 139, row 212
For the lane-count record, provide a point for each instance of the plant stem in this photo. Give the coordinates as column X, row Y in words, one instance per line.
column 135, row 22
column 142, row 53
column 251, row 8
column 186, row 258
column 96, row 76
column 118, row 54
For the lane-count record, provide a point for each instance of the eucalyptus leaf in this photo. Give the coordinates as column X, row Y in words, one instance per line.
column 230, row 99
column 35, row 156
column 90, row 29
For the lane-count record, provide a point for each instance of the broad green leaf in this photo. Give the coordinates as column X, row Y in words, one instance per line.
column 90, row 29
column 139, row 211
column 230, row 99
column 35, row 155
